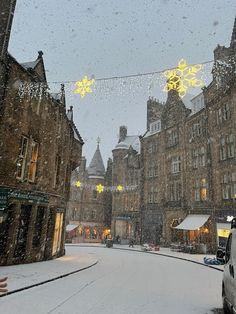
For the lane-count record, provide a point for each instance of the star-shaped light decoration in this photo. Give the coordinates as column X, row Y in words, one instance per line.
column 120, row 188
column 84, row 86
column 99, row 188
column 78, row 184
column 183, row 77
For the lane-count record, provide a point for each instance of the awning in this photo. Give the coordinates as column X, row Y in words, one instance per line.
column 193, row 222
column 71, row 227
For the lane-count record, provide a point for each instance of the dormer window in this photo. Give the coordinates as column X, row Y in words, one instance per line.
column 155, row 127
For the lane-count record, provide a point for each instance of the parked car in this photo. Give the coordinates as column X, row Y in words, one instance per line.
column 229, row 275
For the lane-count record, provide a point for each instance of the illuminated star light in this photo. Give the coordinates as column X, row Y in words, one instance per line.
column 78, row 184
column 99, row 188
column 183, row 77
column 84, row 86
column 120, row 188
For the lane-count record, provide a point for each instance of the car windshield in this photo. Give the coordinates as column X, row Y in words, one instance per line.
column 117, row 155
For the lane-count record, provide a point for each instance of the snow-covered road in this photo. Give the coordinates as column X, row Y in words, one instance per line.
column 123, row 282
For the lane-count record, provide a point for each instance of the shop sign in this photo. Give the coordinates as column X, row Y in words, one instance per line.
column 6, row 194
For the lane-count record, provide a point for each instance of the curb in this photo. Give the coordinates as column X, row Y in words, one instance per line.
column 161, row 254
column 47, row 281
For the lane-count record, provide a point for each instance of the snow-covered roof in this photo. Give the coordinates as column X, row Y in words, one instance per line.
column 132, row 140
column 31, row 64
column 193, row 222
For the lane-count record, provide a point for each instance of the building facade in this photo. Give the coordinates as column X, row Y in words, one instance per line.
column 39, row 147
column 89, row 211
column 188, row 177
column 126, row 175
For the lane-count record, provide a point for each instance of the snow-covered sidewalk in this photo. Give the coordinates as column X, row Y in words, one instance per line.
column 20, row 276
column 168, row 252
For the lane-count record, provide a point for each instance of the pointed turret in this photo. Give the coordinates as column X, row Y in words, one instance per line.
column 96, row 167
column 233, row 37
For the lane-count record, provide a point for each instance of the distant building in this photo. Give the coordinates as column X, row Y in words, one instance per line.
column 126, row 173
column 89, row 212
column 39, row 147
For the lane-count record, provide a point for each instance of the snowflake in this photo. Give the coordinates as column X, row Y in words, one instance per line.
column 99, row 188
column 78, row 184
column 120, row 188
column 84, row 86
column 182, row 77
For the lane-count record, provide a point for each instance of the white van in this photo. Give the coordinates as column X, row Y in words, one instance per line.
column 229, row 275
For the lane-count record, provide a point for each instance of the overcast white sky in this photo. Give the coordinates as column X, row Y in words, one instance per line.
column 107, row 38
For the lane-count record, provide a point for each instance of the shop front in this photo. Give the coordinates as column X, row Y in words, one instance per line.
column 23, row 225
column 196, row 233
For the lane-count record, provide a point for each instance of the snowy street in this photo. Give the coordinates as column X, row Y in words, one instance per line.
column 121, row 282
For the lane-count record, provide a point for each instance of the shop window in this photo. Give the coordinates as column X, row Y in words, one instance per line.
column 57, row 233
column 38, row 226
column 22, row 231
column 21, row 161
column 33, row 161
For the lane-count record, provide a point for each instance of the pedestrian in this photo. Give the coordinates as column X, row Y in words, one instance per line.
column 131, row 242
column 3, row 285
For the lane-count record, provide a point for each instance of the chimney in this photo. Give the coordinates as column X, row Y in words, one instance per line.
column 123, row 133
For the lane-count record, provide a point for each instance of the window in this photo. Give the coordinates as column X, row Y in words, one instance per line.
column 95, row 194
column 93, row 214
column 33, row 161
column 195, row 158
column 230, row 146
column 202, row 157
column 172, row 138
column 155, row 127
column 155, row 200
column 150, row 194
column 222, row 149
column 200, row 190
column 226, row 112
column 175, row 191
column 22, row 158
column 175, row 164
column 227, row 147
column 223, row 113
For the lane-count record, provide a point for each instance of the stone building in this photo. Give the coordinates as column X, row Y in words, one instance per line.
column 126, row 175
column 89, row 212
column 188, row 190
column 39, row 147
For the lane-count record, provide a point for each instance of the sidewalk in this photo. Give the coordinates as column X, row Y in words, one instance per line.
column 20, row 276
column 166, row 251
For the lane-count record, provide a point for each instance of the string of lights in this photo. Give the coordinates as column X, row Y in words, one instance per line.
column 130, row 75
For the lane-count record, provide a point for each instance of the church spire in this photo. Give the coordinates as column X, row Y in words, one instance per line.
column 233, row 38
column 96, row 167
